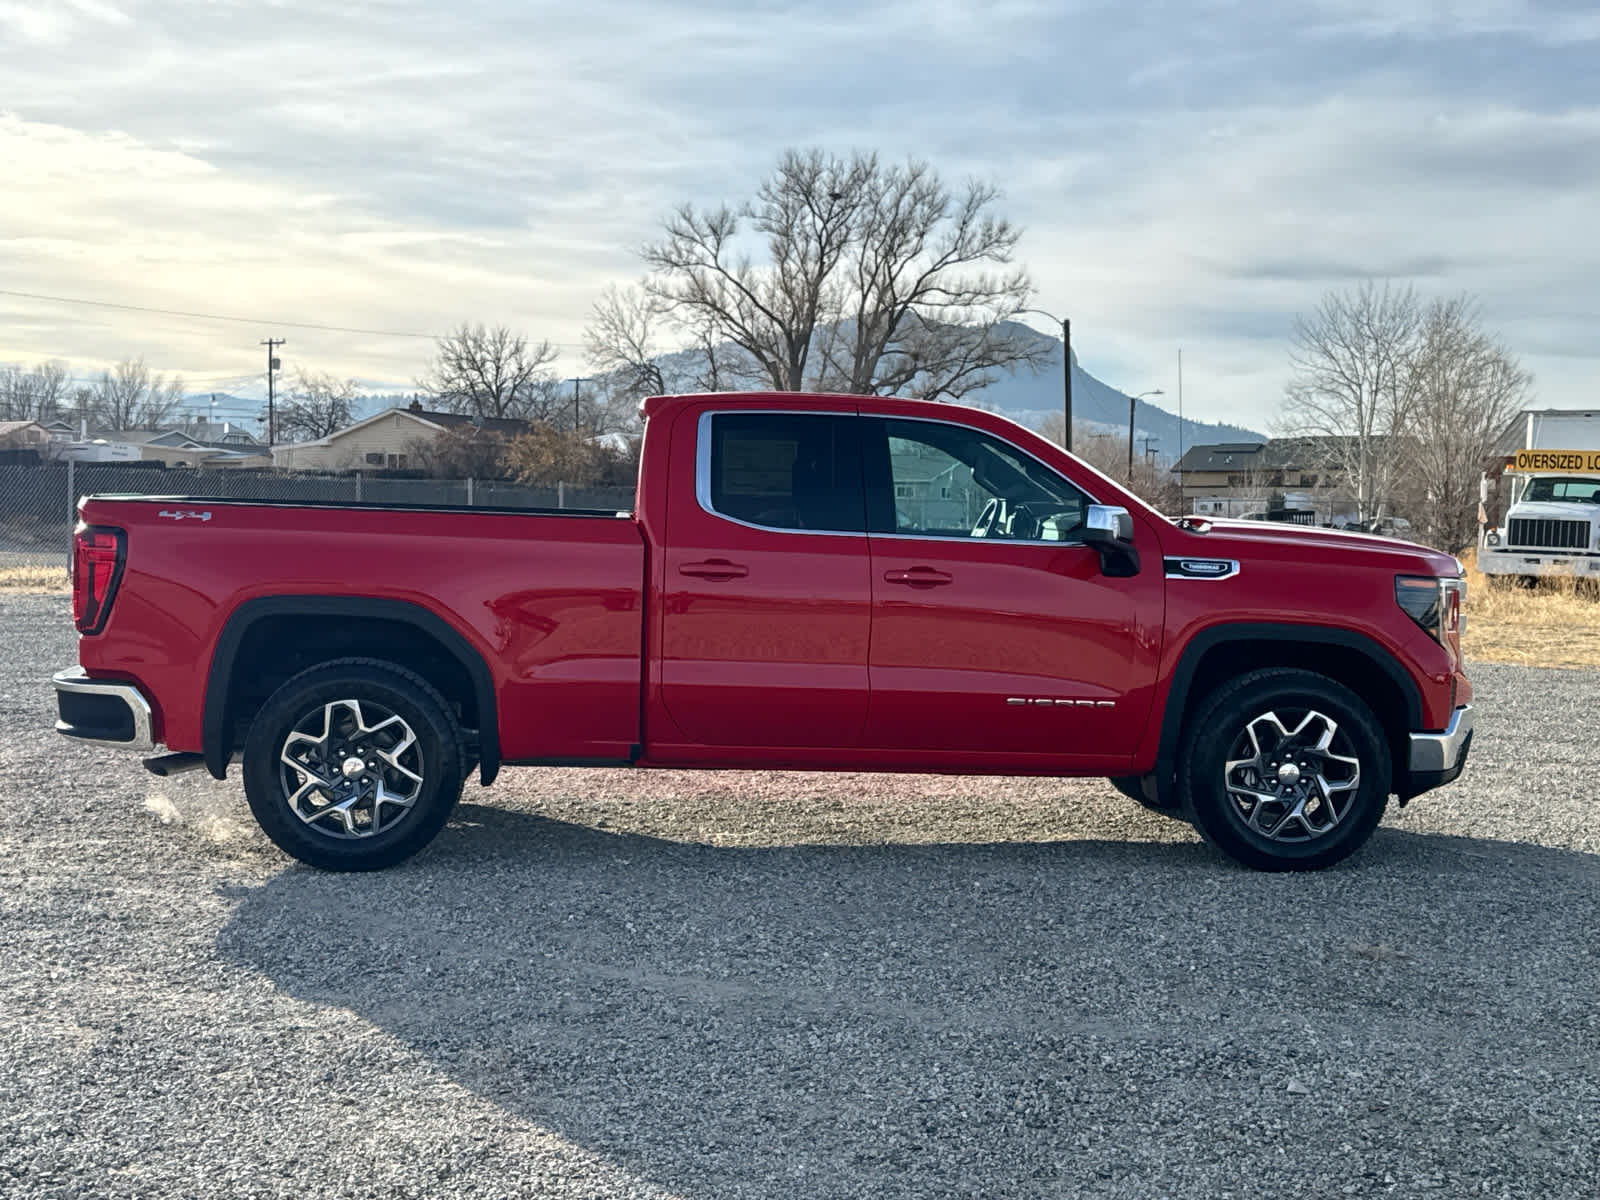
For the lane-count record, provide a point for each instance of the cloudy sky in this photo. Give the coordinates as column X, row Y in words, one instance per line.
column 1189, row 174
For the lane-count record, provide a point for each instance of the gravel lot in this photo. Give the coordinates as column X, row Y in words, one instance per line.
column 625, row 985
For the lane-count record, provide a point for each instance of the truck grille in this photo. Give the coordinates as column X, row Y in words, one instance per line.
column 1548, row 531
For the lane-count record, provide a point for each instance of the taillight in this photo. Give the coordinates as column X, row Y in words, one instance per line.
column 97, row 554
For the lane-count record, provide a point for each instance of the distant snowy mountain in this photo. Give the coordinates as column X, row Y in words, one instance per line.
column 244, row 402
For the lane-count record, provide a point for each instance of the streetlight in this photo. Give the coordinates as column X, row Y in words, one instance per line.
column 1066, row 366
column 1133, row 400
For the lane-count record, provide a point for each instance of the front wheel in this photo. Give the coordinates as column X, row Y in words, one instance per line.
column 1285, row 770
column 353, row 765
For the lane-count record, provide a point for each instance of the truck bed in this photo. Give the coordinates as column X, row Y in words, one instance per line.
column 550, row 599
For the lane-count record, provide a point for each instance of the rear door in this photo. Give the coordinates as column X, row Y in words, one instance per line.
column 994, row 630
column 767, row 602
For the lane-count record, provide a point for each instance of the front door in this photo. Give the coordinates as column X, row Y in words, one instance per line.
column 994, row 630
column 766, row 602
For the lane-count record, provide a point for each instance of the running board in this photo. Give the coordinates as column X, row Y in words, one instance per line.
column 174, row 764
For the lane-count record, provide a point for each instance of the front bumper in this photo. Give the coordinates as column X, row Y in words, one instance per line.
column 102, row 710
column 1535, row 561
column 1437, row 758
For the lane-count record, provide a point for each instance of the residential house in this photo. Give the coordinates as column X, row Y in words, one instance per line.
column 23, row 435
column 387, row 441
column 169, row 447
column 1233, row 479
column 23, row 442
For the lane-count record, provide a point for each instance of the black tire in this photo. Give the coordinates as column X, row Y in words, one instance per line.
column 1335, row 820
column 1141, row 789
column 311, row 719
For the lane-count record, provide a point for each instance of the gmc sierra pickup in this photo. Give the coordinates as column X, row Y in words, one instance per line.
column 809, row 582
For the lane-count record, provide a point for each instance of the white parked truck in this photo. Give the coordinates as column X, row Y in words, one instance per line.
column 1552, row 525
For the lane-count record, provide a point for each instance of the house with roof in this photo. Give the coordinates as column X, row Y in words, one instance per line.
column 23, row 443
column 1235, row 479
column 23, row 435
column 169, row 447
column 388, row 441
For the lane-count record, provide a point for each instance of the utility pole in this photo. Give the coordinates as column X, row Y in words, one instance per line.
column 273, row 363
column 1066, row 375
column 576, row 381
column 1066, row 369
column 1133, row 400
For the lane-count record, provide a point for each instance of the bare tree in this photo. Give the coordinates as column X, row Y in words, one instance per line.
column 492, row 373
column 876, row 278
column 128, row 396
column 315, row 406
column 1354, row 385
column 462, row 454
column 621, row 342
column 33, row 395
column 1467, row 388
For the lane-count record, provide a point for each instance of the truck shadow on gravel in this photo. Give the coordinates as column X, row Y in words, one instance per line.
column 968, row 1019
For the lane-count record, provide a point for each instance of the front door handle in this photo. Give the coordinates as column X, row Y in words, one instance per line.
column 714, row 569
column 919, row 577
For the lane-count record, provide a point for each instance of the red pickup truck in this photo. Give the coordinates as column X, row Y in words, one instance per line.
column 809, row 582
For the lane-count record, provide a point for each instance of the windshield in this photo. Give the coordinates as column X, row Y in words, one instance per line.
column 1582, row 491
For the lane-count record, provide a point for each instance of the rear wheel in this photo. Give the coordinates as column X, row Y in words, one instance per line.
column 353, row 765
column 1285, row 770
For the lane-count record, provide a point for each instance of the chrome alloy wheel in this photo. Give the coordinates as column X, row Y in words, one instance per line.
column 1292, row 778
column 350, row 769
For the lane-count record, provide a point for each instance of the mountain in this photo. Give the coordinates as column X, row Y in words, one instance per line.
column 1030, row 397
column 244, row 403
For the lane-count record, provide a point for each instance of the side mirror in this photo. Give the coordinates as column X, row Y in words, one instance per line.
column 1109, row 529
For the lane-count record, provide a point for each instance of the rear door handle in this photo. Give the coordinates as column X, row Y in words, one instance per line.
column 715, row 569
column 919, row 577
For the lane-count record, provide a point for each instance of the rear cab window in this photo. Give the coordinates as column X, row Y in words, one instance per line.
column 781, row 470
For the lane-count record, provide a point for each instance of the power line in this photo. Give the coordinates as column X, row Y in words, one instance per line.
column 199, row 316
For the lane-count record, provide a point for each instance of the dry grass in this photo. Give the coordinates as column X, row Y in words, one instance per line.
column 51, row 580
column 1556, row 624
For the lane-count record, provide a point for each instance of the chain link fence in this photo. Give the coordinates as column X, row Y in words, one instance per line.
column 38, row 504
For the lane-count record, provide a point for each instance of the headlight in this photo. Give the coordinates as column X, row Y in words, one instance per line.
column 1433, row 603
column 1492, row 538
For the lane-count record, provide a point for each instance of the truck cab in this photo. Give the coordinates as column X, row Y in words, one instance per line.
column 1552, row 528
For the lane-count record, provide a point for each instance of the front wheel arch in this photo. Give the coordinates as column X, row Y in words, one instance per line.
column 1217, row 655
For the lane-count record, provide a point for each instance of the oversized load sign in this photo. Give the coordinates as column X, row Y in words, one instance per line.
column 1565, row 462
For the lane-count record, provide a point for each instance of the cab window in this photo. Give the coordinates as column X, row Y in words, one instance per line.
column 797, row 471
column 936, row 479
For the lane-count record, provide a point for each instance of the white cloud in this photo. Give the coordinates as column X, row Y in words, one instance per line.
column 1186, row 179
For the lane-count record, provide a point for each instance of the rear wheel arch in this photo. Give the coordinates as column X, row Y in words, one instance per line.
column 268, row 640
column 1222, row 653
